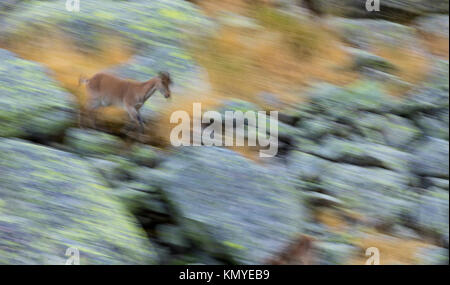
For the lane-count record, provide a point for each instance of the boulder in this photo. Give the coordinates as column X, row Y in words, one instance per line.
column 31, row 103
column 331, row 253
column 399, row 131
column 432, row 213
column 228, row 204
column 434, row 126
column 381, row 195
column 52, row 200
column 92, row 142
column 431, row 95
column 432, row 255
column 343, row 103
column 363, row 60
column 431, row 158
column 434, row 24
column 367, row 34
column 363, row 154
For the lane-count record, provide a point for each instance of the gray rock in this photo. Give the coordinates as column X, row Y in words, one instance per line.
column 307, row 167
column 330, row 253
column 343, row 104
column 171, row 235
column 433, row 126
column 383, row 196
column 319, row 127
column 432, row 212
column 363, row 59
column 31, row 103
column 438, row 182
column 432, row 94
column 431, row 158
column 363, row 153
column 230, row 205
column 371, row 125
column 273, row 101
column 404, row 232
column 144, row 155
column 52, row 200
column 434, row 24
column 367, row 34
column 432, row 255
column 8, row 5
column 399, row 132
column 91, row 142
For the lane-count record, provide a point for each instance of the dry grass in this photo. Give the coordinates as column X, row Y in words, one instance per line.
column 392, row 250
column 67, row 63
column 437, row 45
column 331, row 219
column 412, row 66
column 214, row 7
column 282, row 57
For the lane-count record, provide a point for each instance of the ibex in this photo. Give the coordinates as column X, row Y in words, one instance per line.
column 106, row 90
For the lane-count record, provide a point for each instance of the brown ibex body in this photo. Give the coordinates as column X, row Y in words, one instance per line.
column 108, row 90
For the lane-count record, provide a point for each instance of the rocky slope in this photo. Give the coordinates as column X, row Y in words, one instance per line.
column 378, row 163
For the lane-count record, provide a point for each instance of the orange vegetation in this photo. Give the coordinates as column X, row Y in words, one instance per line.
column 436, row 44
column 411, row 66
column 280, row 58
column 67, row 63
column 392, row 250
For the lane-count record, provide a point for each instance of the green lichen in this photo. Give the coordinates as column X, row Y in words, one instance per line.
column 56, row 200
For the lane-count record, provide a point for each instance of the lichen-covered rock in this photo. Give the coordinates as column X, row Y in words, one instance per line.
column 91, row 142
column 31, row 103
column 319, row 127
column 399, row 132
column 397, row 10
column 332, row 253
column 434, row 24
column 434, row 126
column 363, row 60
column 343, row 103
column 363, row 154
column 432, row 213
column 438, row 182
column 8, row 5
column 144, row 155
column 382, row 196
column 229, row 205
column 52, row 200
column 367, row 34
column 431, row 95
column 145, row 23
column 431, row 158
column 432, row 255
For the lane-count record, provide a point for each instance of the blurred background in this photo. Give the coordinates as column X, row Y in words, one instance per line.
column 363, row 133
